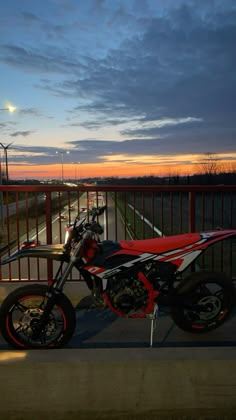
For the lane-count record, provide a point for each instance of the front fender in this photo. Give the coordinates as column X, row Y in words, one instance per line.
column 51, row 252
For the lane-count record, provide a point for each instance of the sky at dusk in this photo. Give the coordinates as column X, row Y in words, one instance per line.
column 127, row 87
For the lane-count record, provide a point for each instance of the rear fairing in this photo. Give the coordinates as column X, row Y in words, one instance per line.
column 51, row 252
column 184, row 256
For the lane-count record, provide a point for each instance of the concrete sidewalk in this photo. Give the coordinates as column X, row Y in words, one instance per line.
column 103, row 329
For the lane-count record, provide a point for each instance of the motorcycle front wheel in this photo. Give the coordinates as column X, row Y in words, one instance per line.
column 21, row 312
column 206, row 302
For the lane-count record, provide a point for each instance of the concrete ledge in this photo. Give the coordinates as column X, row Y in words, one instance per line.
column 118, row 383
column 151, row 415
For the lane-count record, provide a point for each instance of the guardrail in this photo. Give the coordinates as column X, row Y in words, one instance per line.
column 40, row 213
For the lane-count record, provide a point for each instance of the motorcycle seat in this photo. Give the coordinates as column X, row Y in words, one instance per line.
column 160, row 245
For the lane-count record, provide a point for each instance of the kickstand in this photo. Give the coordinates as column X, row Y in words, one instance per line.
column 153, row 318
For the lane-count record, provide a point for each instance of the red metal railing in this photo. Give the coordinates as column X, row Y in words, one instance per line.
column 41, row 213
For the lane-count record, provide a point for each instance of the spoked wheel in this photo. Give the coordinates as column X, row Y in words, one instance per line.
column 21, row 314
column 206, row 302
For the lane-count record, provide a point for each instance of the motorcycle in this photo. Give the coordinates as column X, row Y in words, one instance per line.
column 133, row 278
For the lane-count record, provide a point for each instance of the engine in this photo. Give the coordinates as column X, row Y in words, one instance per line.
column 127, row 295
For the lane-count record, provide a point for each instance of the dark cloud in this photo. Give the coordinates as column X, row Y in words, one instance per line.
column 30, row 17
column 51, row 60
column 30, row 111
column 35, row 155
column 183, row 63
column 22, row 133
column 95, row 150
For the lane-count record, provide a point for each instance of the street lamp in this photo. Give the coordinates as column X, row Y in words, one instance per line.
column 75, row 168
column 9, row 108
column 62, row 163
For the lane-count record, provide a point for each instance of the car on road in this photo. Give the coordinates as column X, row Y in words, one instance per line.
column 62, row 217
column 83, row 209
column 30, row 243
column 71, row 208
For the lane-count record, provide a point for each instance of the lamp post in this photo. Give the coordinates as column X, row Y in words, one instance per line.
column 62, row 163
column 75, row 168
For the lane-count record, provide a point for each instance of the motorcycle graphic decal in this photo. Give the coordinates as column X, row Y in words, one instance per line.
column 142, row 258
column 183, row 262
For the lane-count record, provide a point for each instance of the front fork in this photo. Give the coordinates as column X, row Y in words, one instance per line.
column 51, row 296
column 54, row 291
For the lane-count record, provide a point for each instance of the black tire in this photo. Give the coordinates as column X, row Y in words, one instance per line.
column 213, row 292
column 22, row 308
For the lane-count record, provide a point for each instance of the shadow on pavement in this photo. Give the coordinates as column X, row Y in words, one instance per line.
column 100, row 328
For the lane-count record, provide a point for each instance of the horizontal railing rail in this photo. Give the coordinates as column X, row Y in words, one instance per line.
column 40, row 213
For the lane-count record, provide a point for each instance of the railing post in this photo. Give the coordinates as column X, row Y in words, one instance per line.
column 192, row 210
column 49, row 234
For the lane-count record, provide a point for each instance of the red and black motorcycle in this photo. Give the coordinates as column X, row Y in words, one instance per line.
column 131, row 277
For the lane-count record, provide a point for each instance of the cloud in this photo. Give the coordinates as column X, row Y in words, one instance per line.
column 152, row 128
column 30, row 17
column 49, row 60
column 183, row 62
column 30, row 111
column 22, row 133
column 183, row 65
column 34, row 155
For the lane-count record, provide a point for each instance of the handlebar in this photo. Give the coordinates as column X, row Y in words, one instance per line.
column 97, row 211
column 76, row 230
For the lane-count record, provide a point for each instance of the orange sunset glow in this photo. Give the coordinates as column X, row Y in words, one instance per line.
column 123, row 166
column 98, row 170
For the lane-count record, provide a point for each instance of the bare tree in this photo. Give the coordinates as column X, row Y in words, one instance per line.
column 231, row 167
column 209, row 164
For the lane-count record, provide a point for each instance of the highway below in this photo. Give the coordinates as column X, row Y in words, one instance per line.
column 27, row 269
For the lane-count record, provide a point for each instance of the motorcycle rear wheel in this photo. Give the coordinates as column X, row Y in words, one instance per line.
column 21, row 311
column 208, row 300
